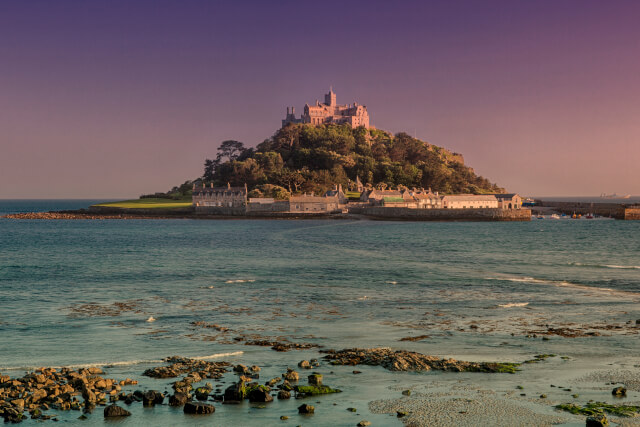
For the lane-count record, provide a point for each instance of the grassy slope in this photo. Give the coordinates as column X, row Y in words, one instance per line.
column 148, row 204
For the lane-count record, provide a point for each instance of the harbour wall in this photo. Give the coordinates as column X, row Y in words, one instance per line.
column 632, row 213
column 410, row 214
column 615, row 210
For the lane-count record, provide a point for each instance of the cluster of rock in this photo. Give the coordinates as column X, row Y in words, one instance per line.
column 282, row 346
column 400, row 360
column 47, row 388
column 196, row 369
column 67, row 215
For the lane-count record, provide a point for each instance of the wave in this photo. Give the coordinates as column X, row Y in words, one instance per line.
column 513, row 304
column 240, row 281
column 623, row 267
column 565, row 284
column 118, row 363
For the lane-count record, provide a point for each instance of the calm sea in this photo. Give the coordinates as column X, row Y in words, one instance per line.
column 338, row 284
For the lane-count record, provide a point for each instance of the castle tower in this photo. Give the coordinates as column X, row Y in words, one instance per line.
column 330, row 98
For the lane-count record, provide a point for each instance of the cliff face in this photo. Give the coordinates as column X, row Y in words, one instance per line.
column 314, row 158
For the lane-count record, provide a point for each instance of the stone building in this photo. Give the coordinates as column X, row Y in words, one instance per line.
column 509, row 201
column 314, row 204
column 230, row 198
column 330, row 112
column 337, row 191
column 427, row 199
column 470, row 201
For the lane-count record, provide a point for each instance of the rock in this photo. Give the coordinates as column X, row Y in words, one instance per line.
column 202, row 393
column 284, row 417
column 315, row 379
column 178, row 399
column 619, row 391
column 88, row 395
column 38, row 395
column 241, row 369
column 401, row 414
column 306, row 409
column 235, row 392
column 198, row 408
column 597, row 420
column 304, row 364
column 364, row 423
column 255, row 368
column 352, row 410
column 283, row 394
column 406, row 392
column 18, row 403
column 115, row 411
column 291, row 375
column 260, row 394
column 152, row 397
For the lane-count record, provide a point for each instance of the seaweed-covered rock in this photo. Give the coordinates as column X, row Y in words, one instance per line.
column 198, row 408
column 235, row 392
column 315, row 379
column 597, row 420
column 260, row 394
column 313, row 390
column 401, row 360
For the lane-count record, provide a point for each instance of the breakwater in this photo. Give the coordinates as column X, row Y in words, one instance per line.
column 614, row 210
column 409, row 214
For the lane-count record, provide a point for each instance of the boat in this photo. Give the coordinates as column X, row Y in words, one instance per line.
column 588, row 216
column 555, row 216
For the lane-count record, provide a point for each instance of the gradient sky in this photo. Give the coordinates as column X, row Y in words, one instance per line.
column 112, row 98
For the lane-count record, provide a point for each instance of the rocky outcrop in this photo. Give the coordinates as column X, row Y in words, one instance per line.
column 198, row 369
column 400, row 360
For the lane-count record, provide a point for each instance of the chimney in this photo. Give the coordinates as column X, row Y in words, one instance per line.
column 287, row 111
column 211, row 184
column 293, row 111
column 228, row 186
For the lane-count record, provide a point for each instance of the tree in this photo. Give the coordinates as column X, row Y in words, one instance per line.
column 230, row 150
column 210, row 167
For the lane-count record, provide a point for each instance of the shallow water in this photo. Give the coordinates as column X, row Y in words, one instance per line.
column 337, row 284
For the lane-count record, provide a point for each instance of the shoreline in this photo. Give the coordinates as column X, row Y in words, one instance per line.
column 404, row 388
column 390, row 214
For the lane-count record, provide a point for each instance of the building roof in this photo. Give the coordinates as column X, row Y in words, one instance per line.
column 470, row 197
column 503, row 196
column 312, row 199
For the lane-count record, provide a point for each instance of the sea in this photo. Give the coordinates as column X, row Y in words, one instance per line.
column 125, row 294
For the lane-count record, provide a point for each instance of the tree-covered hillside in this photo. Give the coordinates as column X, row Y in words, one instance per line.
column 313, row 158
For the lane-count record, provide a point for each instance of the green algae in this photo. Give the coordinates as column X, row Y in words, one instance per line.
column 312, row 390
column 594, row 408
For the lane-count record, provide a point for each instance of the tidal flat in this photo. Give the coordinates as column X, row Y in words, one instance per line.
column 553, row 305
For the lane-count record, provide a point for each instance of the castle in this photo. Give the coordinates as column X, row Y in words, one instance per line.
column 330, row 113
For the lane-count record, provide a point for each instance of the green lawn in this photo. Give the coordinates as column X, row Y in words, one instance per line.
column 148, row 203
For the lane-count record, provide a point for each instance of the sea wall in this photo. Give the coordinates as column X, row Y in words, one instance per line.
column 632, row 213
column 380, row 212
column 615, row 210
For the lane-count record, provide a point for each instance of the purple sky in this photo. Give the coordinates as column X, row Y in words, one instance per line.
column 119, row 98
